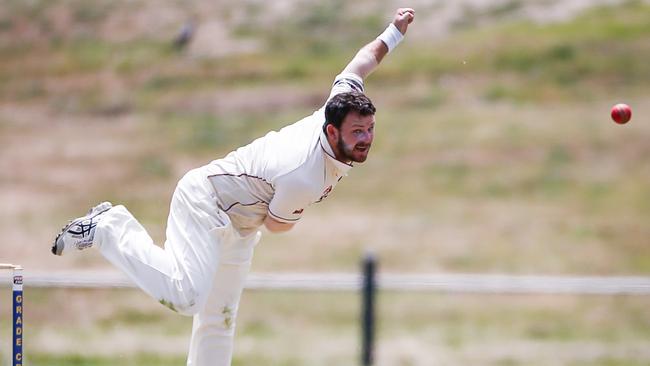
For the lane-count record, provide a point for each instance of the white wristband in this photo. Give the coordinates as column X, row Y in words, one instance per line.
column 391, row 37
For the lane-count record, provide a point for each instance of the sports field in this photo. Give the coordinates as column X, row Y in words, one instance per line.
column 494, row 153
column 101, row 327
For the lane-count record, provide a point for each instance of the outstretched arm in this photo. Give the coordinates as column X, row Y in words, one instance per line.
column 370, row 55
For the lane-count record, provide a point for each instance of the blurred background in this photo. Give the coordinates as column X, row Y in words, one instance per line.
column 495, row 153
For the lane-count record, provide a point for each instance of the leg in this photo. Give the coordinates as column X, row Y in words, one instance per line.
column 214, row 326
column 179, row 275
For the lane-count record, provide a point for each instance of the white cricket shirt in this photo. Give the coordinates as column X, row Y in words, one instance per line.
column 281, row 173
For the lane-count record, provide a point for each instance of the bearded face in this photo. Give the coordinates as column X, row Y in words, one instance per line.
column 354, row 138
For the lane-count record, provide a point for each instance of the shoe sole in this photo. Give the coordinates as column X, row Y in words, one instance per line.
column 57, row 247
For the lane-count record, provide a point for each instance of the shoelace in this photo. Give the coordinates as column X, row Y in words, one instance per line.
column 84, row 229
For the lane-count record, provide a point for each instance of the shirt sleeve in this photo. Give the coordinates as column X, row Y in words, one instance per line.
column 288, row 203
column 346, row 82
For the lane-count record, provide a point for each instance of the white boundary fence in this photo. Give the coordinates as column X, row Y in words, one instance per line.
column 447, row 283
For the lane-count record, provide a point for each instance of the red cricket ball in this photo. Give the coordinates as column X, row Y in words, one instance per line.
column 621, row 113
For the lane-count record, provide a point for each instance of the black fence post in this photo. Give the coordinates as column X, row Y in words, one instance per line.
column 369, row 267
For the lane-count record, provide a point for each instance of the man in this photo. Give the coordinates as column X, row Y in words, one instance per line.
column 216, row 210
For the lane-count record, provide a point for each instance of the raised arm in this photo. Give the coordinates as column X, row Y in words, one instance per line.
column 370, row 55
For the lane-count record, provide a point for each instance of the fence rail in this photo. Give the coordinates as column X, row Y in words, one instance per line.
column 450, row 283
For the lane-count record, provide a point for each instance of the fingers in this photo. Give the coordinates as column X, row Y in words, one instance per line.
column 403, row 17
column 407, row 14
column 401, row 11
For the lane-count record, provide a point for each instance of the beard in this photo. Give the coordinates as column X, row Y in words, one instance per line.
column 357, row 153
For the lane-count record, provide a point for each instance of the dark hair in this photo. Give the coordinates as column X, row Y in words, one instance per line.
column 341, row 104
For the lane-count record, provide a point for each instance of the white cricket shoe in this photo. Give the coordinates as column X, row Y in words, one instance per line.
column 80, row 232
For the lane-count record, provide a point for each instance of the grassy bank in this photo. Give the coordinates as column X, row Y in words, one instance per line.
column 494, row 149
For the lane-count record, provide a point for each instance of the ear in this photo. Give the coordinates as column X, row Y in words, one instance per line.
column 332, row 131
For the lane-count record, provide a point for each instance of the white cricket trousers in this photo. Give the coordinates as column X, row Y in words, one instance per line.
column 201, row 270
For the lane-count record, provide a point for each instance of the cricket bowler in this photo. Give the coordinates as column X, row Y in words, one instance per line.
column 217, row 210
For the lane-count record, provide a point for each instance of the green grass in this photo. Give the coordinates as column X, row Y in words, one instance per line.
column 79, row 360
column 604, row 47
column 522, row 330
column 562, row 61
